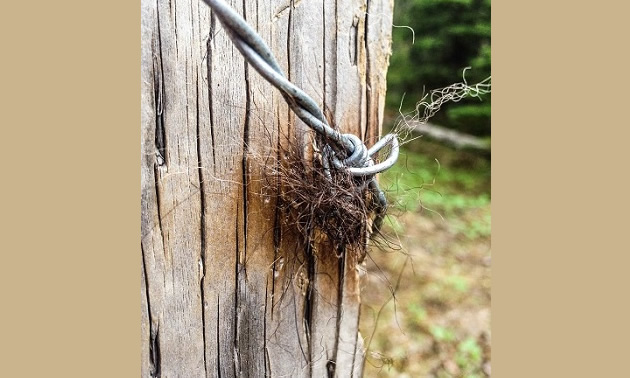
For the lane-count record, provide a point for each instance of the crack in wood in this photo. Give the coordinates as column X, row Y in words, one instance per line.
column 209, row 74
column 154, row 335
column 236, row 292
column 308, row 301
column 353, row 49
column 202, row 226
column 158, row 205
column 158, row 86
column 218, row 338
column 368, row 73
column 324, row 98
column 341, row 262
column 330, row 367
column 173, row 4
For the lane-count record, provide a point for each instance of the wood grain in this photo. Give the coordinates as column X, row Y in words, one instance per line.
column 227, row 289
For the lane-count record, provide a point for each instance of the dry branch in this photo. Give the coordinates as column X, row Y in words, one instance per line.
column 448, row 136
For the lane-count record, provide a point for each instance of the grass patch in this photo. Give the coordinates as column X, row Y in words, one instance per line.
column 438, row 323
column 441, row 183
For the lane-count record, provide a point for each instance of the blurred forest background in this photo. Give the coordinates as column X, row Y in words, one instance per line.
column 426, row 297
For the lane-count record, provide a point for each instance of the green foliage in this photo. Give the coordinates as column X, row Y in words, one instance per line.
column 472, row 118
column 475, row 227
column 440, row 187
column 418, row 313
column 442, row 334
column 457, row 282
column 450, row 35
column 468, row 357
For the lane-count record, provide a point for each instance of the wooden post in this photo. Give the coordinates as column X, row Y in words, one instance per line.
column 226, row 289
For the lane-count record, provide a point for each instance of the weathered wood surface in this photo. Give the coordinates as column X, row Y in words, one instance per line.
column 226, row 289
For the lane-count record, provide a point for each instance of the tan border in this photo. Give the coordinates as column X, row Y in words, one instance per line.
column 70, row 189
column 71, row 267
column 559, row 104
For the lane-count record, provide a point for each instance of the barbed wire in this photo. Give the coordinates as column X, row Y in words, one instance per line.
column 343, row 151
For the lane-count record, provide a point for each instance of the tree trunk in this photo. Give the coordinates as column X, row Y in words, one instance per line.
column 227, row 289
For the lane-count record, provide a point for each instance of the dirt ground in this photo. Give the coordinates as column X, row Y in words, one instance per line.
column 426, row 298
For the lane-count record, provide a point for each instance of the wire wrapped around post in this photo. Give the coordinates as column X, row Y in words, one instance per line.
column 343, row 151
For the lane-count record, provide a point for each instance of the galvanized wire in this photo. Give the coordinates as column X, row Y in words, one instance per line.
column 344, row 151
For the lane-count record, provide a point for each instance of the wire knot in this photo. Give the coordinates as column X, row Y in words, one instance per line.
column 359, row 161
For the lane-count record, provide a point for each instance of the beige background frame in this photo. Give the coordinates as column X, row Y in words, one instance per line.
column 70, row 271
